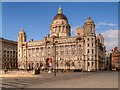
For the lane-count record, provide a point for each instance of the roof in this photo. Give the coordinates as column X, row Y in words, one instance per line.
column 60, row 16
column 89, row 20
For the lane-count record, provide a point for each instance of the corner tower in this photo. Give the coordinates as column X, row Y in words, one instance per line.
column 60, row 26
column 89, row 44
column 22, row 36
column 21, row 39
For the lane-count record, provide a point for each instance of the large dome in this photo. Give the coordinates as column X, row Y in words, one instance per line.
column 60, row 16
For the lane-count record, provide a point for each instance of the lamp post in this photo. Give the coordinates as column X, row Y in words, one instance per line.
column 57, row 59
column 54, row 55
column 84, row 62
column 87, row 63
column 26, row 56
column 54, row 59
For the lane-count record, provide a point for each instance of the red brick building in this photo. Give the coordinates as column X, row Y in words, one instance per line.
column 116, row 58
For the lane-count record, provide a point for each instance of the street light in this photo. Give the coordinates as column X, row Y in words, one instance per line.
column 54, row 60
column 54, row 54
column 26, row 56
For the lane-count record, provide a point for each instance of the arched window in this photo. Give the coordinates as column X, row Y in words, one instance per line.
column 73, row 64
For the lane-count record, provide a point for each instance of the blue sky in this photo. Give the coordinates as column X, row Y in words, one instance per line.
column 36, row 17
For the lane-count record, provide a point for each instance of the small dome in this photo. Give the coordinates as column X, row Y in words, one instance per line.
column 100, row 35
column 60, row 16
column 100, row 38
column 89, row 20
column 22, row 31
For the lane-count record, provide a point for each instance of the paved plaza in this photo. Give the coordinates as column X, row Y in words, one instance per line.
column 99, row 79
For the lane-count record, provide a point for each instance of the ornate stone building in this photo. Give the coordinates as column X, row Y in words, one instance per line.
column 84, row 51
column 8, row 54
column 116, row 58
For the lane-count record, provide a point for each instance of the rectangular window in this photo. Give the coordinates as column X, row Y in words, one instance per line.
column 88, row 51
column 92, row 51
column 88, row 44
column 13, row 52
column 88, row 64
column 5, row 51
column 92, row 44
column 92, row 63
column 88, row 58
column 67, row 46
column 92, row 57
column 88, row 39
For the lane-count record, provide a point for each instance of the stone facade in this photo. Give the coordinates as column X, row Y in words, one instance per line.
column 116, row 58
column 8, row 54
column 84, row 51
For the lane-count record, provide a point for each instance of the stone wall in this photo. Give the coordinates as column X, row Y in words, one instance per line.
column 16, row 72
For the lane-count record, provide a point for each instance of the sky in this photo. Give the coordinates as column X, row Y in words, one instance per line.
column 35, row 18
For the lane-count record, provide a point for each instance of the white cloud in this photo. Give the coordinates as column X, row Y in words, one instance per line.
column 110, row 34
column 111, row 38
column 105, row 24
column 111, row 44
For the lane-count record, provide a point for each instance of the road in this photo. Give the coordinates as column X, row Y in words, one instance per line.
column 100, row 79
